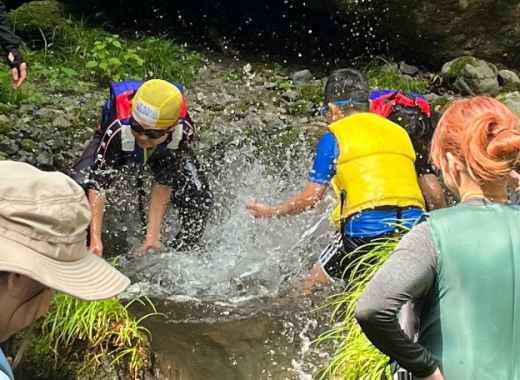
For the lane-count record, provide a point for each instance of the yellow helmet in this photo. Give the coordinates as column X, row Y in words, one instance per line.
column 157, row 104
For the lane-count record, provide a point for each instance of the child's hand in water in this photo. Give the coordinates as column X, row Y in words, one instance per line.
column 148, row 246
column 260, row 210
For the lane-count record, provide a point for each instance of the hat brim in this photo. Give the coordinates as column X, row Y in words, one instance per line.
column 89, row 278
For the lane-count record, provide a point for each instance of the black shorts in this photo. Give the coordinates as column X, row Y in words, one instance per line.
column 342, row 251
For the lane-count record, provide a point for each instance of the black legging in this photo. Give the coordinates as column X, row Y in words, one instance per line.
column 194, row 200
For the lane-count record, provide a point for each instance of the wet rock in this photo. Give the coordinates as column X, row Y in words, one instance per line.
column 25, row 109
column 471, row 76
column 61, row 122
column 270, row 85
column 508, row 77
column 273, row 121
column 44, row 160
column 10, row 147
column 301, row 77
column 476, row 27
column 290, row 95
column 408, row 69
column 512, row 101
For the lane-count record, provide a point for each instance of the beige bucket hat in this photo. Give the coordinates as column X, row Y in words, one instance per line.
column 44, row 218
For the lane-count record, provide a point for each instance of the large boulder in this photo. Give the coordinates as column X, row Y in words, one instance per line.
column 471, row 76
column 438, row 31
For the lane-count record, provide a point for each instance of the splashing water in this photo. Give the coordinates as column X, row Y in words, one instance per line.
column 243, row 258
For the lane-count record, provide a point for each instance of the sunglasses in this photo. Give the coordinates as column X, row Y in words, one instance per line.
column 340, row 103
column 150, row 133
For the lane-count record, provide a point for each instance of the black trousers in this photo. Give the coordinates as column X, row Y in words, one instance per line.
column 191, row 195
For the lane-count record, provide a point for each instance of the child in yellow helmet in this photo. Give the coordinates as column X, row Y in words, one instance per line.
column 147, row 124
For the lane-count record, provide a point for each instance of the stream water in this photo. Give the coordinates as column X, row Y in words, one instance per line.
column 234, row 309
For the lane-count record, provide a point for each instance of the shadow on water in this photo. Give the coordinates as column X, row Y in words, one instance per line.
column 234, row 308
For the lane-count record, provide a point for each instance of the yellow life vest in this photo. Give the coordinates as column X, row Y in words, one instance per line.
column 375, row 166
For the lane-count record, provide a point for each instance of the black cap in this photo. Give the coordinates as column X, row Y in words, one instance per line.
column 345, row 84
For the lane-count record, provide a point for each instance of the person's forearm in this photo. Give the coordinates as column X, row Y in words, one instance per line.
column 433, row 192
column 159, row 201
column 297, row 204
column 408, row 275
column 97, row 207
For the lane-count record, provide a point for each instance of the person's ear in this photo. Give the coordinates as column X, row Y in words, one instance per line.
column 454, row 168
column 335, row 112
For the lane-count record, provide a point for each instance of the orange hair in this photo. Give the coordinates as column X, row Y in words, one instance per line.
column 480, row 132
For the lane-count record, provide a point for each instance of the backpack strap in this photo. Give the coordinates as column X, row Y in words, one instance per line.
column 121, row 94
column 384, row 104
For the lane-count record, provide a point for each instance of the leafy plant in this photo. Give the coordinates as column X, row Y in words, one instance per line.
column 356, row 358
column 97, row 333
column 28, row 93
column 110, row 59
column 165, row 59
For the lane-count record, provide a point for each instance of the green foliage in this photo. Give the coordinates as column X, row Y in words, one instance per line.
column 440, row 104
column 312, row 92
column 356, row 358
column 42, row 23
column 383, row 77
column 91, row 335
column 112, row 59
column 67, row 54
column 233, row 76
column 165, row 59
column 27, row 94
column 285, row 84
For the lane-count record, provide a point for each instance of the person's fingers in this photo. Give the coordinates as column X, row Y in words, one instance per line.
column 98, row 251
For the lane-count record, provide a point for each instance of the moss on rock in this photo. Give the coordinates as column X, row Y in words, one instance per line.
column 388, row 77
column 456, row 67
column 471, row 76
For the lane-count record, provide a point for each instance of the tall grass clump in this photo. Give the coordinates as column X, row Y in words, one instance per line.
column 355, row 357
column 83, row 337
